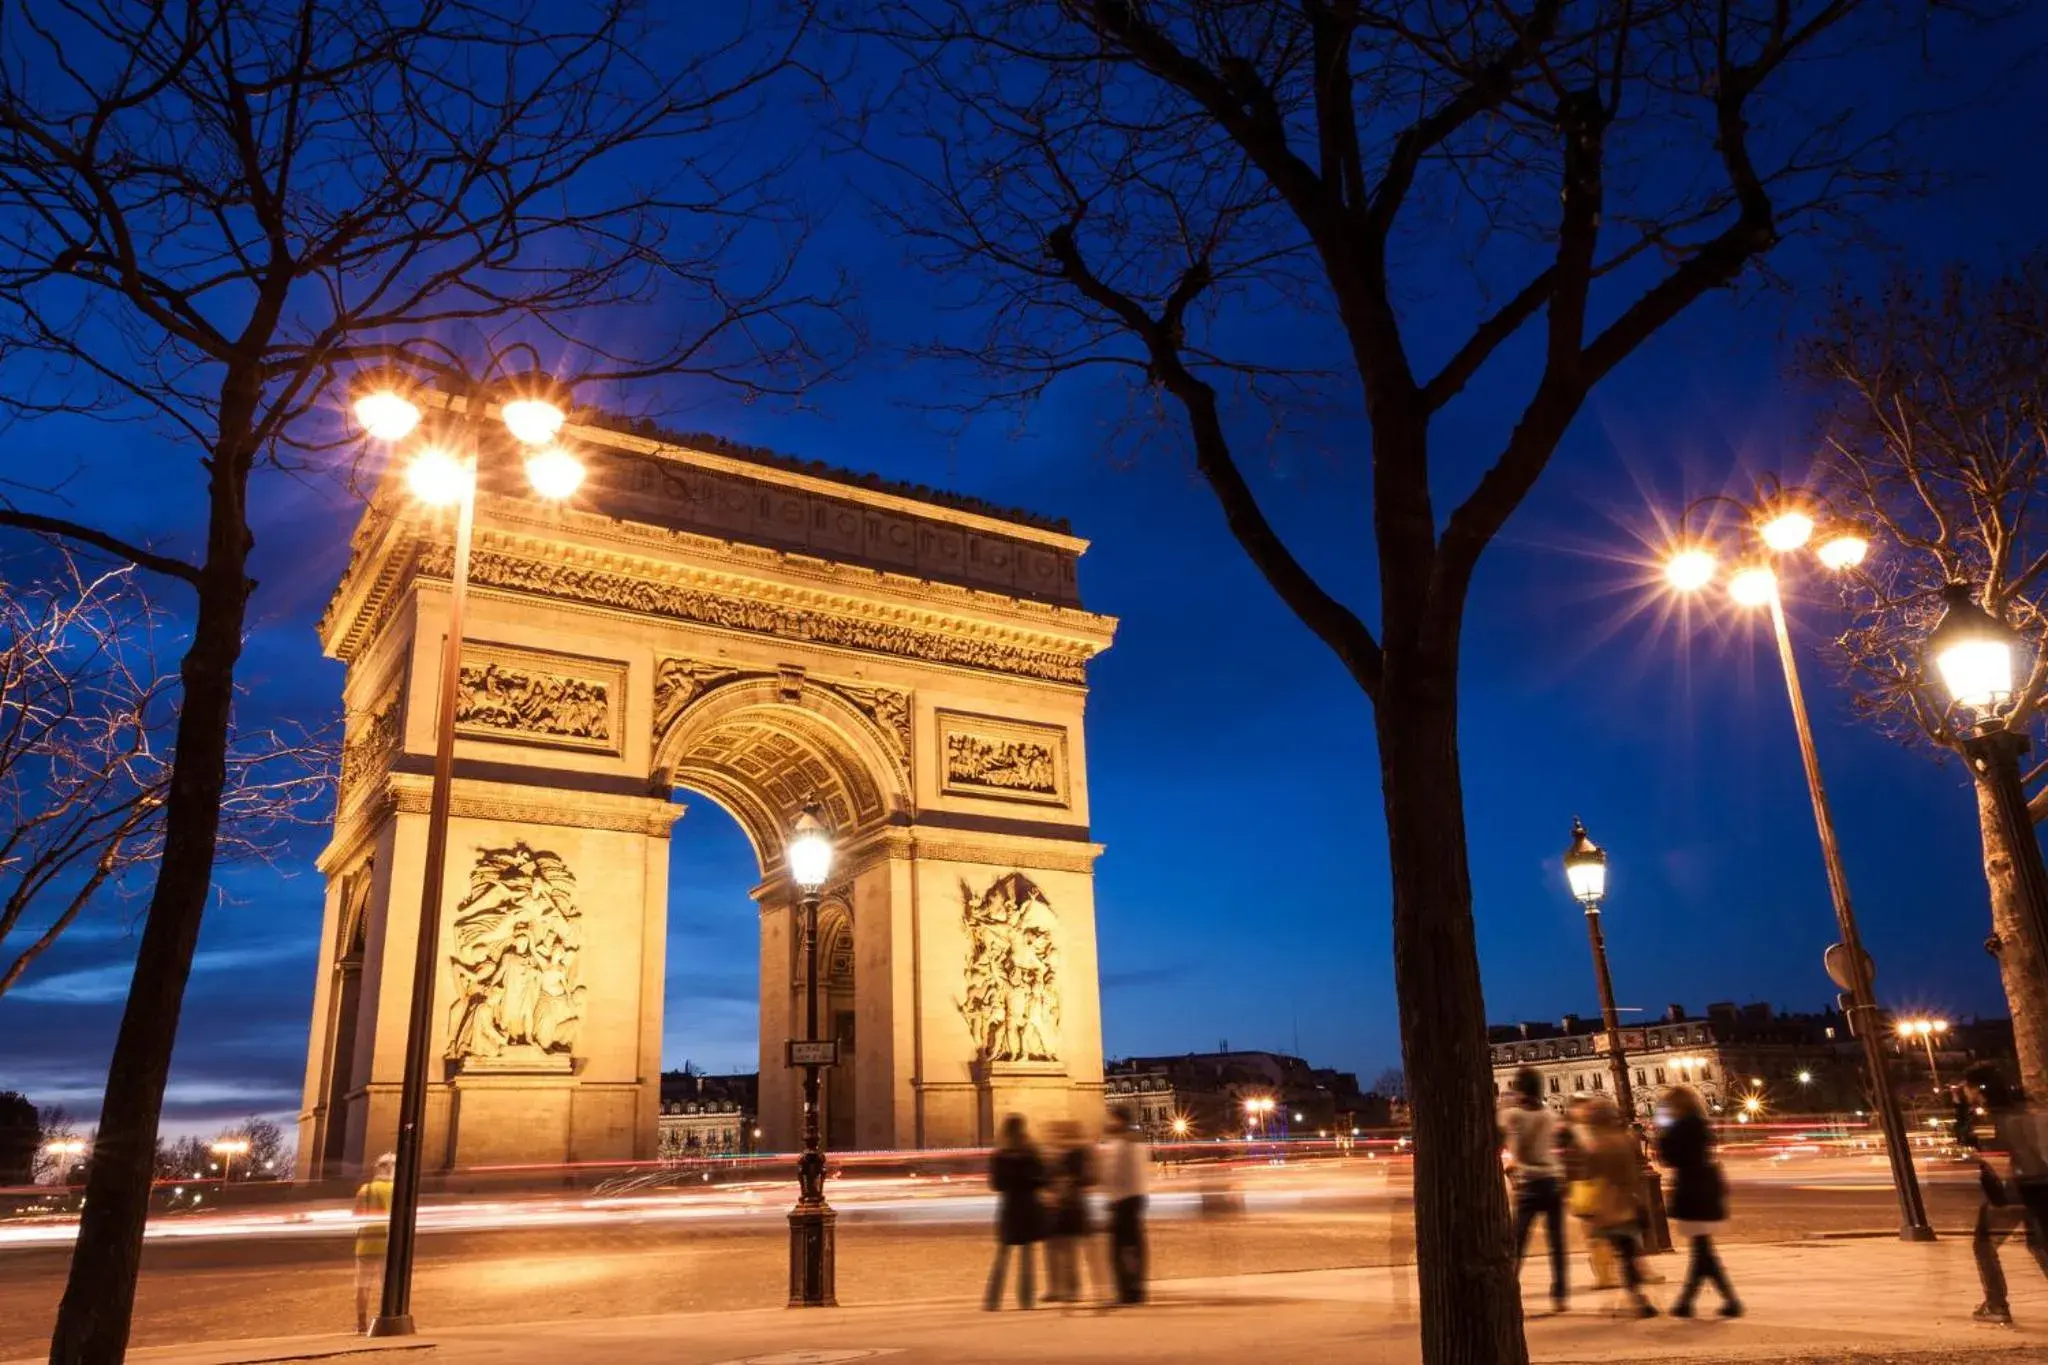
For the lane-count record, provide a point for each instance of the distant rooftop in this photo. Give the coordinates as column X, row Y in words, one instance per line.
column 651, row 430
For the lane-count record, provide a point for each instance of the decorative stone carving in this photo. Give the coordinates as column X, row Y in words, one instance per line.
column 495, row 697
column 1010, row 760
column 888, row 709
column 679, row 681
column 364, row 753
column 582, row 583
column 1012, row 1005
column 517, row 936
column 536, row 697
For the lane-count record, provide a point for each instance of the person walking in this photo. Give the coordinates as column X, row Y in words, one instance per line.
column 1073, row 1177
column 1581, row 1193
column 1614, row 1167
column 1126, row 1170
column 1530, row 1132
column 373, row 1223
column 2015, row 1200
column 1698, row 1202
column 1016, row 1173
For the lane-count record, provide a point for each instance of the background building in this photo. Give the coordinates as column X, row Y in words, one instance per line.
column 1733, row 1054
column 1203, row 1095
column 707, row 1115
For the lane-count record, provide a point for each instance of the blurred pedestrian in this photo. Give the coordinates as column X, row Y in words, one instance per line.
column 1581, row 1192
column 1614, row 1166
column 1699, row 1194
column 1073, row 1175
column 1126, row 1169
column 2016, row 1199
column 1529, row 1130
column 1964, row 1114
column 373, row 1223
column 1017, row 1174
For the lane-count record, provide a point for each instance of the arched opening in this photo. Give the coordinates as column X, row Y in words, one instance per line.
column 344, row 1008
column 759, row 751
column 836, row 1009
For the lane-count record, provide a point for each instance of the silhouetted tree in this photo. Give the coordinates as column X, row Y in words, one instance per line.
column 1528, row 190
column 213, row 211
column 1937, row 439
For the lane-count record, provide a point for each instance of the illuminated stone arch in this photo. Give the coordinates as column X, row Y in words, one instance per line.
column 761, row 634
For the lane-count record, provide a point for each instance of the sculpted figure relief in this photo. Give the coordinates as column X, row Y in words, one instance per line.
column 1005, row 764
column 517, row 936
column 1012, row 1005
column 501, row 698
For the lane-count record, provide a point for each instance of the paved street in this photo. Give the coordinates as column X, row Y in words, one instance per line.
column 592, row 1262
column 1851, row 1302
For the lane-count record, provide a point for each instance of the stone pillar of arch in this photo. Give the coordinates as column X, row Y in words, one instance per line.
column 718, row 626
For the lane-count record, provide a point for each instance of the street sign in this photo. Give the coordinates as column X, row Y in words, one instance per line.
column 824, row 1052
column 1836, row 960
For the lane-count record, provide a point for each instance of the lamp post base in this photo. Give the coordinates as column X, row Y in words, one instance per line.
column 1915, row 1232
column 399, row 1326
column 1656, row 1226
column 810, row 1256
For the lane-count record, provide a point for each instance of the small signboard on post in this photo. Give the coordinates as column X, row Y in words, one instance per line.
column 823, row 1052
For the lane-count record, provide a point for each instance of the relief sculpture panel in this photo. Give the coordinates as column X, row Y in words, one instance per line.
column 539, row 698
column 1012, row 1004
column 1008, row 760
column 518, row 934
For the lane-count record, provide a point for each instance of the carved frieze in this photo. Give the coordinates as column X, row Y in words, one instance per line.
column 531, row 697
column 680, row 681
column 581, row 583
column 518, row 934
column 1006, row 759
column 369, row 746
column 889, row 709
column 1012, row 1000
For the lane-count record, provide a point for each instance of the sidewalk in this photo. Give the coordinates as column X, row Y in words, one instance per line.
column 1826, row 1300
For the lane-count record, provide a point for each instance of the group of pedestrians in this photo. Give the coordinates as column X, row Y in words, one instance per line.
column 1590, row 1164
column 1045, row 1197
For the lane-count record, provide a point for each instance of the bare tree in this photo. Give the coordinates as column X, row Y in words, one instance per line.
column 1937, row 436
column 55, row 1124
column 81, row 779
column 86, row 712
column 1429, row 192
column 211, row 211
column 266, row 1157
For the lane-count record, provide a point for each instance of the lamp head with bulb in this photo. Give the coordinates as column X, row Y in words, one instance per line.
column 810, row 849
column 1972, row 652
column 1585, row 868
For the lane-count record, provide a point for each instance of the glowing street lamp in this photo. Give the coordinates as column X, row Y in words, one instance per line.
column 227, row 1149
column 808, row 856
column 1585, row 872
column 1926, row 1030
column 1780, row 521
column 441, row 472
column 1976, row 656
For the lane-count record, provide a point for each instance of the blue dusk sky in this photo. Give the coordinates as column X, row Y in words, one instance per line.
column 1244, row 892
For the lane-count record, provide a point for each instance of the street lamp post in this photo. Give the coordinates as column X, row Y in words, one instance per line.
column 1585, row 871
column 1926, row 1030
column 227, row 1149
column 440, row 473
column 1972, row 652
column 1784, row 519
column 811, row 1220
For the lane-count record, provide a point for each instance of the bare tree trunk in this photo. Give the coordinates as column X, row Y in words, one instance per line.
column 2020, row 963
column 99, row 1298
column 1471, row 1303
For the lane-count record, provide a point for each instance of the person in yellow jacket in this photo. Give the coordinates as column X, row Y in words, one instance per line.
column 373, row 1221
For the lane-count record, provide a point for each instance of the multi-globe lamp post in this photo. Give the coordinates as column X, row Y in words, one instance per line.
column 1777, row 524
column 1926, row 1030
column 443, row 458
column 811, row 1273
column 1585, row 872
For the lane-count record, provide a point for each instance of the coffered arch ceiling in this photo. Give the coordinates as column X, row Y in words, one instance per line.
column 764, row 754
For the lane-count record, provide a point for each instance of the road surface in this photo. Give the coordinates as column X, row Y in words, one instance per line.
column 215, row 1277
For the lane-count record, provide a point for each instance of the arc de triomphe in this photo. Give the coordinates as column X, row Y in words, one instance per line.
column 755, row 631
